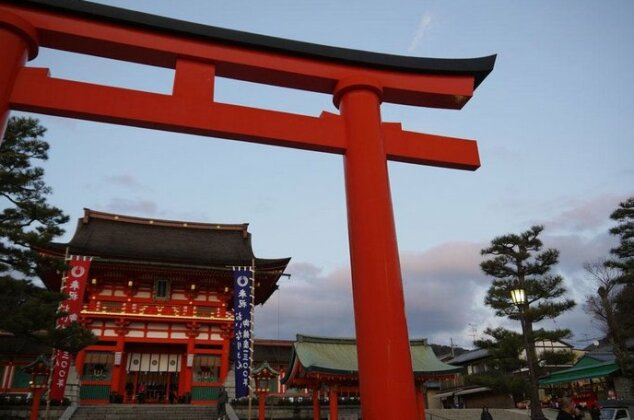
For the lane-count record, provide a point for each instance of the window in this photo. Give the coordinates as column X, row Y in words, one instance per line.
column 621, row 414
column 98, row 365
column 206, row 368
column 161, row 289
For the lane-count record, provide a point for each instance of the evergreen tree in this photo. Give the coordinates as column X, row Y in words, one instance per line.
column 623, row 261
column 518, row 262
column 27, row 223
column 624, row 253
column 504, row 349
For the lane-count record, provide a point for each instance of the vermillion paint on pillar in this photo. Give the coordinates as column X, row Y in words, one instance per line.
column 333, row 408
column 262, row 406
column 420, row 402
column 18, row 41
column 316, row 405
column 35, row 407
column 379, row 306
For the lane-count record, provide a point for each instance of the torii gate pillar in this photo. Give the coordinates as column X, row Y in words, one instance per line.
column 379, row 307
column 18, row 41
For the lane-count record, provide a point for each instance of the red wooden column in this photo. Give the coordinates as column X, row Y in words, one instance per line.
column 333, row 408
column 420, row 401
column 18, row 42
column 316, row 405
column 385, row 368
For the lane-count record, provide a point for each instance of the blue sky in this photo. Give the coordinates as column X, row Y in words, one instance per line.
column 553, row 122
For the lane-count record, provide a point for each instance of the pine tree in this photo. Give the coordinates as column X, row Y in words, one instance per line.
column 29, row 222
column 624, row 253
column 518, row 262
column 623, row 262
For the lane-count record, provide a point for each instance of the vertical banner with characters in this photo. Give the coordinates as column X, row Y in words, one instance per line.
column 73, row 286
column 242, row 342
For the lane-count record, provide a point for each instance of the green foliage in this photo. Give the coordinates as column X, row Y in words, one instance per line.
column 28, row 221
column 624, row 253
column 518, row 263
column 26, row 224
column 507, row 358
column 624, row 310
column 504, row 347
column 30, row 312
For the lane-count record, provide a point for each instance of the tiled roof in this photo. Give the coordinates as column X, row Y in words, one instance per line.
column 339, row 356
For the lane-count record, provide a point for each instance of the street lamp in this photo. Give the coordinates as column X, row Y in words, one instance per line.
column 39, row 371
column 263, row 375
column 518, row 297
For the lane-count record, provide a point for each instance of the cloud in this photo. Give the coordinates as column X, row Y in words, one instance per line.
column 126, row 181
column 583, row 214
column 311, row 302
column 443, row 286
column 143, row 208
column 423, row 26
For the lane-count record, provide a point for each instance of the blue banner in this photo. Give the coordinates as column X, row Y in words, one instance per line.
column 242, row 342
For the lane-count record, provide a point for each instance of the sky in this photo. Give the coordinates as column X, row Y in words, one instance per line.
column 554, row 124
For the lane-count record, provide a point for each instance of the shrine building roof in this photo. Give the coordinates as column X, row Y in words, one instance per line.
column 122, row 238
column 325, row 355
column 479, row 67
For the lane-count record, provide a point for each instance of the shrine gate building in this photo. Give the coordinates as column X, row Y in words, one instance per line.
column 158, row 296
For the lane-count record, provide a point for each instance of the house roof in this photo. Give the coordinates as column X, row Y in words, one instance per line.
column 339, row 356
column 114, row 236
column 469, row 356
column 477, row 67
column 585, row 368
column 272, row 351
column 120, row 239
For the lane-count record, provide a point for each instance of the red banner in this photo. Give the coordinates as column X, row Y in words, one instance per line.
column 73, row 285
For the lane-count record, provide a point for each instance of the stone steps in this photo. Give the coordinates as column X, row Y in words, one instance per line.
column 144, row 411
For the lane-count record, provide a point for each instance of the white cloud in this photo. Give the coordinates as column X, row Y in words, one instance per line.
column 443, row 286
column 423, row 26
column 129, row 207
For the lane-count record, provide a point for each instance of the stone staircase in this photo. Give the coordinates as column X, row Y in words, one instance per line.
column 144, row 411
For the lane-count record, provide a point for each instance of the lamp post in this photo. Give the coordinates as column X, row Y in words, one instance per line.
column 263, row 375
column 518, row 297
column 39, row 371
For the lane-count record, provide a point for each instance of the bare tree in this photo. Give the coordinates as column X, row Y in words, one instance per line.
column 602, row 306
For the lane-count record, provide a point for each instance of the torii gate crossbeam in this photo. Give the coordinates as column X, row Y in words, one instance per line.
column 359, row 82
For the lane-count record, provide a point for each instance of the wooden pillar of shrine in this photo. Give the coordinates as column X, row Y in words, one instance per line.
column 333, row 408
column 316, row 405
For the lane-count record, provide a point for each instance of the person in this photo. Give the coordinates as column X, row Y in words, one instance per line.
column 223, row 397
column 141, row 393
column 485, row 414
column 566, row 410
column 129, row 389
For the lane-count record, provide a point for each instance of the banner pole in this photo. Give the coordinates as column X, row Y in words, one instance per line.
column 251, row 335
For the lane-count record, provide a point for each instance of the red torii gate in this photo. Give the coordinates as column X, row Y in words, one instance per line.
column 359, row 81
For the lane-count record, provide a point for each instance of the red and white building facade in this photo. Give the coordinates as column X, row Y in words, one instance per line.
column 158, row 296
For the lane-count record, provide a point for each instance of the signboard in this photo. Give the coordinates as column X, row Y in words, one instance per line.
column 73, row 286
column 242, row 341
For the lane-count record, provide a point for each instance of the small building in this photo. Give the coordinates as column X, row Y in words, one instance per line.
column 15, row 354
column 159, row 298
column 330, row 366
